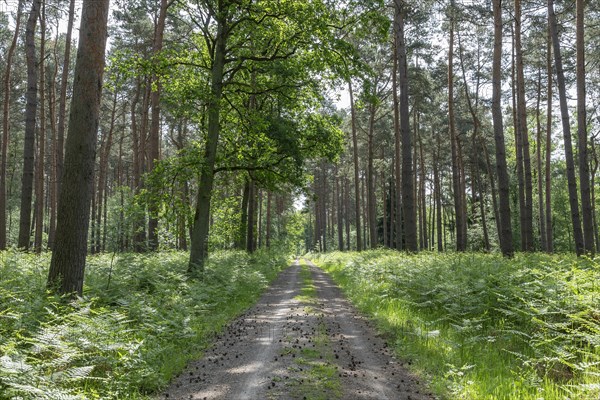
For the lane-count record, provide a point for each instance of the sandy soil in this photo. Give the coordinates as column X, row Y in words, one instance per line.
column 293, row 346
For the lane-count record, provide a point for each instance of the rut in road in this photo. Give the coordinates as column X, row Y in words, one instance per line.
column 302, row 340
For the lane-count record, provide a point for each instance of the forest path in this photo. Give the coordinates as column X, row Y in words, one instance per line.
column 302, row 340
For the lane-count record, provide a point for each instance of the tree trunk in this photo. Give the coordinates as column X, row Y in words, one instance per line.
column 52, row 188
column 371, row 198
column 268, row 222
column 549, row 239
column 538, row 161
column 356, row 166
column 385, row 204
column 564, row 110
column 6, row 127
column 408, row 201
column 68, row 258
column 584, row 172
column 340, row 209
column 505, row 234
column 527, row 212
column 241, row 242
column 103, row 171
column 62, row 109
column 438, row 196
column 456, row 170
column 594, row 168
column 199, row 242
column 422, row 196
column 397, row 204
column 347, row 210
column 154, row 155
column 40, row 170
column 30, row 122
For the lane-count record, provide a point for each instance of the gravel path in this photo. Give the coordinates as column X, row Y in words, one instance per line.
column 298, row 344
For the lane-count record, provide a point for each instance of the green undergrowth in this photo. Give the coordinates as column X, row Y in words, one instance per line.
column 481, row 326
column 140, row 321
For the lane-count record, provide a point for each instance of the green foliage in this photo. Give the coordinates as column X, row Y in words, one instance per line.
column 140, row 322
column 484, row 327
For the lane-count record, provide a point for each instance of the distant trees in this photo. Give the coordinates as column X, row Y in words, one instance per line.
column 217, row 114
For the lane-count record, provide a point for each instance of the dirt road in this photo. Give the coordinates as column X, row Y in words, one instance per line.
column 302, row 340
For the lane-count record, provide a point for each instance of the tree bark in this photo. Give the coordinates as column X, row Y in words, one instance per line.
column 356, row 167
column 549, row 239
column 250, row 226
column 40, row 170
column 68, row 258
column 154, row 155
column 268, row 221
column 538, row 161
column 397, row 204
column 505, row 234
column 30, row 122
column 527, row 211
column 6, row 127
column 584, row 171
column 103, row 172
column 371, row 198
column 564, row 110
column 438, row 196
column 199, row 240
column 62, row 109
column 408, row 200
column 461, row 240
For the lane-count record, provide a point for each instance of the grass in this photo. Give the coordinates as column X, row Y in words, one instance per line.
column 483, row 327
column 319, row 378
column 140, row 322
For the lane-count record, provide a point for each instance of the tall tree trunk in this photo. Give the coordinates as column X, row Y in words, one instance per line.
column 52, row 185
column 594, row 170
column 356, row 167
column 371, row 198
column 527, row 212
column 30, row 122
column 241, row 242
column 408, row 201
column 549, row 239
column 584, row 172
column 269, row 221
column 518, row 147
column 422, row 196
column 461, row 242
column 385, row 219
column 340, row 209
column 538, row 161
column 564, row 110
column 39, row 181
column 68, row 258
column 397, row 204
column 154, row 155
column 199, row 242
column 6, row 126
column 347, row 211
column 62, row 108
column 438, row 196
column 103, row 171
column 505, row 234
column 250, row 232
column 260, row 220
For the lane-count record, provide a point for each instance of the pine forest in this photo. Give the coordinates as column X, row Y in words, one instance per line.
column 300, row 199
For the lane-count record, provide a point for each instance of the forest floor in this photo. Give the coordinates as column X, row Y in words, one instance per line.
column 302, row 340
